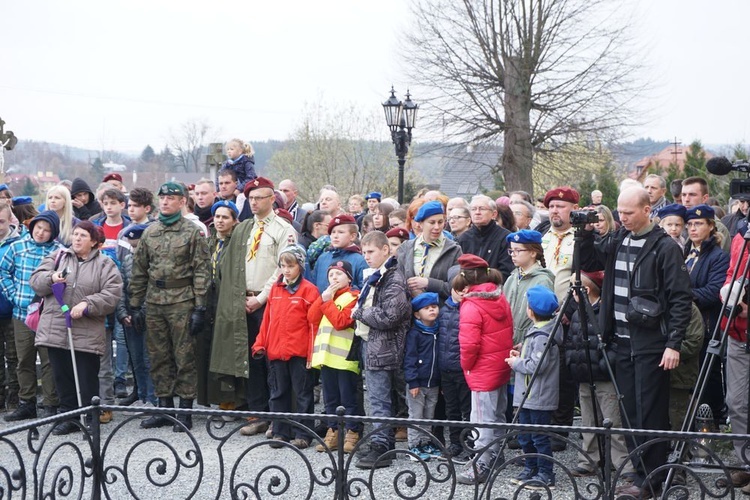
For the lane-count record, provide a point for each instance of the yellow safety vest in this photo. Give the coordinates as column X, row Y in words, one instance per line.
column 331, row 346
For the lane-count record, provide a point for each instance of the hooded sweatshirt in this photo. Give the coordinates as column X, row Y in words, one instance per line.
column 89, row 209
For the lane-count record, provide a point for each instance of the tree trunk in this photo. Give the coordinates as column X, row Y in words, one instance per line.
column 517, row 150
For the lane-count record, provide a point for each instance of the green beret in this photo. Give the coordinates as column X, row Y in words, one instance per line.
column 171, row 188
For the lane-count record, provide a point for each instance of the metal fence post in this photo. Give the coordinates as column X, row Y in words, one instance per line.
column 96, row 447
column 609, row 487
column 340, row 464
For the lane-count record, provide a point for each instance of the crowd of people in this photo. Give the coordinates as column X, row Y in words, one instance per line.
column 234, row 294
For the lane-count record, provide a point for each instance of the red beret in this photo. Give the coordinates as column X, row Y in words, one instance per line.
column 112, row 177
column 597, row 277
column 257, row 183
column 284, row 214
column 340, row 219
column 191, row 187
column 471, row 261
column 565, row 193
column 398, row 232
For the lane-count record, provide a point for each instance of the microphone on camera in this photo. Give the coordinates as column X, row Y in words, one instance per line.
column 719, row 165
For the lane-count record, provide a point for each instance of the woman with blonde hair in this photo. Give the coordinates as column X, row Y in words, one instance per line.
column 58, row 200
column 606, row 222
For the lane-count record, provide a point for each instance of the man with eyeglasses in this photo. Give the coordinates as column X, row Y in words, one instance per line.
column 523, row 212
column 485, row 238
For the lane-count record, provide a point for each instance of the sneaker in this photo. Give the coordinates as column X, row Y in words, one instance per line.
column 418, row 453
column 541, row 481
column 277, row 441
column 300, row 443
column 525, row 475
column 433, row 451
column 254, row 426
column 25, row 411
column 580, row 471
column 462, row 458
column 375, row 459
column 470, row 475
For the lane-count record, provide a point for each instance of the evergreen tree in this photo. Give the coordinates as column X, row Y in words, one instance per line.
column 98, row 168
column 607, row 184
column 29, row 189
column 695, row 160
column 148, row 155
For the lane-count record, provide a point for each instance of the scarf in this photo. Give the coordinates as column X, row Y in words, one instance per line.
column 168, row 220
column 427, row 329
column 204, row 214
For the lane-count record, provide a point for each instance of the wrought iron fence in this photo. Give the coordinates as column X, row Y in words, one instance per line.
column 214, row 461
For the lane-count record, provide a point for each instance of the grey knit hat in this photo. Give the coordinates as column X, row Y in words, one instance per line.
column 297, row 251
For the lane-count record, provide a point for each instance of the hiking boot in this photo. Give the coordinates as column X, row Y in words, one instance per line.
column 350, row 441
column 277, row 441
column 184, row 418
column 105, row 417
column 373, row 459
column 740, row 478
column 128, row 400
column 254, row 426
column 330, row 442
column 471, row 476
column 49, row 411
column 65, row 427
column 401, row 435
column 25, row 411
column 155, row 421
column 121, row 391
column 11, row 401
column 300, row 443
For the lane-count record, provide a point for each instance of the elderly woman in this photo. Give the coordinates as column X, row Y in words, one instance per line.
column 707, row 265
column 459, row 220
column 93, row 288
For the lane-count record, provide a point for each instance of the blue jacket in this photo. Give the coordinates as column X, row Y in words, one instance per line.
column 707, row 277
column 244, row 167
column 449, row 352
column 319, row 274
column 421, row 368
column 6, row 306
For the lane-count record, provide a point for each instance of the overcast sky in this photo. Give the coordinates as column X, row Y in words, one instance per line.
column 119, row 74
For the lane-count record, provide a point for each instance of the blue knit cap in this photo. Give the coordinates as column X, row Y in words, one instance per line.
column 542, row 301
column 424, row 299
column 428, row 210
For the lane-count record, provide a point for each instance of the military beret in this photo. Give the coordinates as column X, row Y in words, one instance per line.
column 257, row 183
column 343, row 266
column 3, row 187
column 701, row 211
column 471, row 261
column 424, row 299
column 525, row 236
column 22, row 200
column 112, row 177
column 191, row 187
column 284, row 214
column 428, row 210
column 339, row 220
column 135, row 231
column 542, row 300
column 398, row 232
column 226, row 204
column 374, row 195
column 171, row 188
column 597, row 277
column 673, row 209
column 565, row 193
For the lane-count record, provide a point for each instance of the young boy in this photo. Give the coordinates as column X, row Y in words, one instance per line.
column 112, row 221
column 382, row 315
column 421, row 371
column 343, row 232
column 140, row 205
column 332, row 314
column 544, row 395
column 286, row 339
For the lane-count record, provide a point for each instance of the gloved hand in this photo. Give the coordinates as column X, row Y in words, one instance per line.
column 197, row 320
column 138, row 319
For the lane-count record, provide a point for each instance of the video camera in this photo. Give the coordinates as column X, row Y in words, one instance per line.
column 738, row 188
column 582, row 218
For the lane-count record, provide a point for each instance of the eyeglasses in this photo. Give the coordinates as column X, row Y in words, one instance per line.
column 454, row 218
column 517, row 251
column 259, row 198
column 696, row 223
column 480, row 209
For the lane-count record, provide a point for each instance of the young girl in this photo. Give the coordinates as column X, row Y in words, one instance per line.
column 332, row 311
column 672, row 220
column 58, row 200
column 286, row 339
column 241, row 159
column 485, row 335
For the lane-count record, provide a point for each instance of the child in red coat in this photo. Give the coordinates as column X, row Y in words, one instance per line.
column 286, row 339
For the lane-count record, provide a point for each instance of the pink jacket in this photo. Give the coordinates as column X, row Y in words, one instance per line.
column 485, row 336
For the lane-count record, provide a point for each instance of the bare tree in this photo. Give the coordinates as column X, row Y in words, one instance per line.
column 186, row 144
column 530, row 73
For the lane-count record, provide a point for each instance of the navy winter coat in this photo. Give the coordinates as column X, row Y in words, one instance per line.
column 449, row 352
column 707, row 277
column 421, row 359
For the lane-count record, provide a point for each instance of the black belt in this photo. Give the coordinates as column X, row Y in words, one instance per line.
column 171, row 283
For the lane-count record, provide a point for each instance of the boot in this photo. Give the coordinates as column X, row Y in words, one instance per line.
column 350, row 441
column 184, row 419
column 132, row 398
column 330, row 442
column 155, row 421
column 25, row 411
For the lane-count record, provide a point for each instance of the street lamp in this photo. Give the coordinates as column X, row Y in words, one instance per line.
column 400, row 118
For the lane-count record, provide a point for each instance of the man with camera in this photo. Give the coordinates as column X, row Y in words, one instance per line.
column 647, row 288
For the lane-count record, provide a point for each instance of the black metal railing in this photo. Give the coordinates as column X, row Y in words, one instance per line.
column 121, row 460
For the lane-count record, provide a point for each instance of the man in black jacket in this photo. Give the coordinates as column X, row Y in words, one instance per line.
column 485, row 238
column 641, row 260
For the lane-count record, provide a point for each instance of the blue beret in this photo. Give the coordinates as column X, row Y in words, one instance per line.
column 428, row 210
column 700, row 212
column 135, row 231
column 542, row 300
column 3, row 187
column 424, row 299
column 225, row 203
column 374, row 195
column 22, row 200
column 525, row 236
column 673, row 209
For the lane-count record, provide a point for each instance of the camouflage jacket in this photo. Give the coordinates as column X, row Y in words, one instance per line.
column 171, row 265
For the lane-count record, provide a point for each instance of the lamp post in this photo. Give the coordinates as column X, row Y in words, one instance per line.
column 400, row 118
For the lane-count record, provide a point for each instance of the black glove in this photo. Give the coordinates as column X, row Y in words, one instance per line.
column 197, row 320
column 138, row 319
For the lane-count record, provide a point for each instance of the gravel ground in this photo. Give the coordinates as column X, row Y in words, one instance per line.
column 254, row 470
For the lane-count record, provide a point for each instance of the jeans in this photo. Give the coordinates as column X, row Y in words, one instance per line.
column 379, row 386
column 141, row 365
column 421, row 406
column 285, row 379
column 536, row 442
column 121, row 358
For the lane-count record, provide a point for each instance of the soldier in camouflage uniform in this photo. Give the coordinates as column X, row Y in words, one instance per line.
column 170, row 274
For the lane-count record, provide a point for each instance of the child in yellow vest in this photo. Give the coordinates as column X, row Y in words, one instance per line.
column 340, row 378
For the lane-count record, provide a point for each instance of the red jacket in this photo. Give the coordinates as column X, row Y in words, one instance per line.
column 340, row 319
column 485, row 337
column 738, row 328
column 285, row 331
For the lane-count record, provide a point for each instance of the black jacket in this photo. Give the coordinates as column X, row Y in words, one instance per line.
column 575, row 350
column 659, row 271
column 91, row 208
column 489, row 243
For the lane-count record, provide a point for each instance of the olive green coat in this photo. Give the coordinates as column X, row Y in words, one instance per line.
column 515, row 291
column 686, row 374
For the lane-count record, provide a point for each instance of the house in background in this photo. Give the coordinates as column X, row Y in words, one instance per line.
column 674, row 153
column 468, row 171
